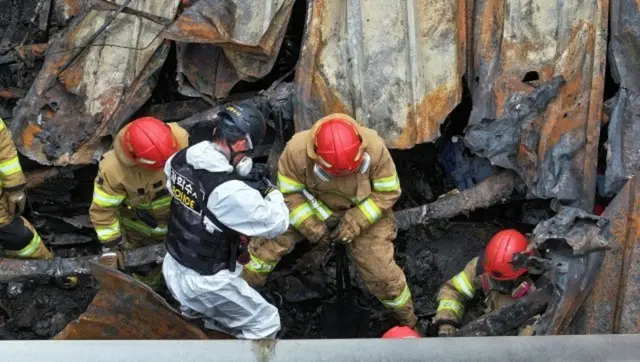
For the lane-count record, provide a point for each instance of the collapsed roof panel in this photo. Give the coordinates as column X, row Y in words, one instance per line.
column 396, row 66
column 516, row 44
column 614, row 304
column 92, row 81
column 223, row 42
column 623, row 160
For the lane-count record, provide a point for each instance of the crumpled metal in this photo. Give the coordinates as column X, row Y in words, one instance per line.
column 83, row 95
column 518, row 46
column 623, row 160
column 583, row 231
column 221, row 42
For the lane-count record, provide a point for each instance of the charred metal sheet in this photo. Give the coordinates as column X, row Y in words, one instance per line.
column 221, row 42
column 514, row 45
column 84, row 93
column 583, row 231
column 396, row 66
column 614, row 304
column 623, row 160
column 124, row 308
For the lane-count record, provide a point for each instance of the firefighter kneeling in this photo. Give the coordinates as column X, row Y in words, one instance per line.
column 490, row 273
column 340, row 184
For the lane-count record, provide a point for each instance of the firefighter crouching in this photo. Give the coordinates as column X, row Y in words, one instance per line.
column 490, row 274
column 18, row 237
column 130, row 206
column 340, row 184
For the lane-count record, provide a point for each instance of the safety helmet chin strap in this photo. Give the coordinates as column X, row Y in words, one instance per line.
column 323, row 175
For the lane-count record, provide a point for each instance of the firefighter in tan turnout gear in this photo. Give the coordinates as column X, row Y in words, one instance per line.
column 340, row 183
column 491, row 274
column 130, row 206
column 18, row 237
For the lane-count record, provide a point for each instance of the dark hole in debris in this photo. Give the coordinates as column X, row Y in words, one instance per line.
column 531, row 76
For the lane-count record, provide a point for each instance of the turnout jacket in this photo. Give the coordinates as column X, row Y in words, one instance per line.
column 122, row 188
column 373, row 191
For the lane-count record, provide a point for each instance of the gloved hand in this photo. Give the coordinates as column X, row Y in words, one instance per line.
column 17, row 200
column 446, row 330
column 270, row 186
column 350, row 227
column 111, row 256
column 314, row 230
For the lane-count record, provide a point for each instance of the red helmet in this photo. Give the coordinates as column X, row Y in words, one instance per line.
column 338, row 146
column 500, row 251
column 401, row 332
column 149, row 142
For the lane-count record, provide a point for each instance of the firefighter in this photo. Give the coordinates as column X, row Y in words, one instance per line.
column 18, row 237
column 340, row 184
column 130, row 206
column 491, row 274
column 211, row 212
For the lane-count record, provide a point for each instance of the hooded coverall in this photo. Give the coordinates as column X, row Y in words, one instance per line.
column 463, row 287
column 125, row 195
column 365, row 197
column 17, row 236
column 197, row 267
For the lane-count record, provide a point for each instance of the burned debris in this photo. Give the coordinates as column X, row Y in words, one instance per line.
column 494, row 119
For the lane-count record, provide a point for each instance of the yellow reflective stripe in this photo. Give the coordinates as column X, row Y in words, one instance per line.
column 259, row 266
column 451, row 305
column 104, row 199
column 288, row 185
column 144, row 228
column 10, row 166
column 322, row 211
column 300, row 214
column 399, row 301
column 370, row 210
column 155, row 204
column 386, row 184
column 2, row 125
column 30, row 248
column 108, row 232
column 463, row 286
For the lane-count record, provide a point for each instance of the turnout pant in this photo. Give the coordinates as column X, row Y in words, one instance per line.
column 372, row 253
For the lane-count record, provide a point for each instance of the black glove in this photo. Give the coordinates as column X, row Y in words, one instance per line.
column 269, row 186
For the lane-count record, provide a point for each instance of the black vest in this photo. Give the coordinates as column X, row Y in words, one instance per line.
column 187, row 240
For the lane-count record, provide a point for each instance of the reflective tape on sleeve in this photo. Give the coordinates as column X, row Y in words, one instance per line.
column 451, row 305
column 370, row 210
column 300, row 214
column 387, row 184
column 399, row 301
column 2, row 125
column 10, row 166
column 101, row 198
column 259, row 266
column 463, row 286
column 287, row 185
column 108, row 232
column 143, row 228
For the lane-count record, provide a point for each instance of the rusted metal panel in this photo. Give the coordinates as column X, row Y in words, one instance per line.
column 623, row 160
column 614, row 304
column 84, row 93
column 513, row 43
column 124, row 308
column 223, row 42
column 396, row 66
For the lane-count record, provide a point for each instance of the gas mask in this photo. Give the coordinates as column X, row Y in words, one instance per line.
column 244, row 166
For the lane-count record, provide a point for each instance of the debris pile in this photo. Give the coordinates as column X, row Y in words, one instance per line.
column 496, row 117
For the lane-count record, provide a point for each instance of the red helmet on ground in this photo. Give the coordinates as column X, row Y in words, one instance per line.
column 339, row 147
column 500, row 251
column 149, row 142
column 401, row 332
